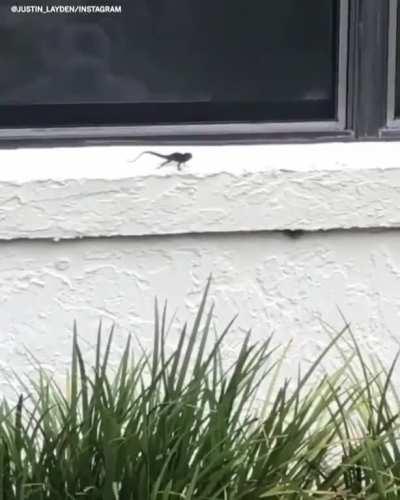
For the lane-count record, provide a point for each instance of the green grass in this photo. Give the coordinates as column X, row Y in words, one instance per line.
column 181, row 424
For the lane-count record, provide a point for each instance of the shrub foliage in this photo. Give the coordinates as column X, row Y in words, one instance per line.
column 181, row 424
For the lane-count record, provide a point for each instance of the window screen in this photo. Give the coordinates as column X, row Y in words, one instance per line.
column 397, row 85
column 171, row 61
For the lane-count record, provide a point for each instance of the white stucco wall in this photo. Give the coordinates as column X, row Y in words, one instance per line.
column 86, row 235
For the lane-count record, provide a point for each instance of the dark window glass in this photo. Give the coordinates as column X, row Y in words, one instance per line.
column 171, row 61
column 397, row 90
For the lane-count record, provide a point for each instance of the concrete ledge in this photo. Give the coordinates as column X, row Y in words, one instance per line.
column 95, row 191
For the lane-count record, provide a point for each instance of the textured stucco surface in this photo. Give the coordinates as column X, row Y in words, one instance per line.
column 276, row 284
column 127, row 232
column 96, row 191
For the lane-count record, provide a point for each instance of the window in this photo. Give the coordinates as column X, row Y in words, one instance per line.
column 171, row 68
column 394, row 65
column 174, row 62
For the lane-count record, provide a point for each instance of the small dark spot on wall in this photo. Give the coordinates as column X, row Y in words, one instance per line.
column 295, row 234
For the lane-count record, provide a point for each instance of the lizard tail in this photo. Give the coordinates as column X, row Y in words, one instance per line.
column 148, row 153
column 136, row 159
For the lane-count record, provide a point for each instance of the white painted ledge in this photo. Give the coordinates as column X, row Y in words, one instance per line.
column 95, row 191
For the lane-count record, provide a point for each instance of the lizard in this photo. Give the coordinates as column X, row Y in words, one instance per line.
column 178, row 158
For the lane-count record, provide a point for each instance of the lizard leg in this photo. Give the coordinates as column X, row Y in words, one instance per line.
column 164, row 163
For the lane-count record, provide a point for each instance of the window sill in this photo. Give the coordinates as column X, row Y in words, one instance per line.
column 95, row 191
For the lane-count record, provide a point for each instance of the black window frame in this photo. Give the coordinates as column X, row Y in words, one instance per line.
column 393, row 122
column 368, row 94
column 365, row 69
